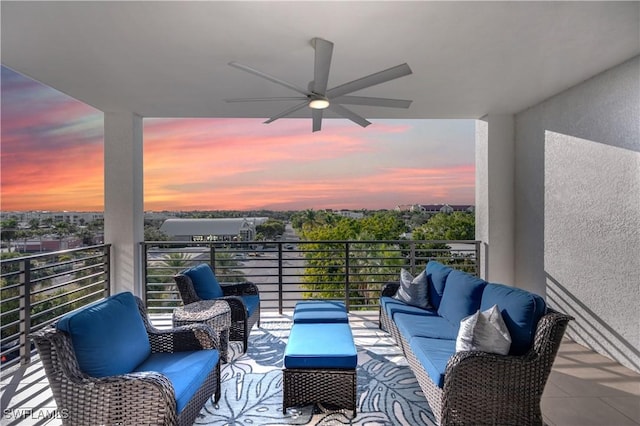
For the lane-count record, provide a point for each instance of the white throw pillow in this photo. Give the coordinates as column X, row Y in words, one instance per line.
column 484, row 331
column 413, row 291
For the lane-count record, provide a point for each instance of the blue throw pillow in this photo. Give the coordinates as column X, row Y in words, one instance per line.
column 462, row 296
column 437, row 275
column 109, row 337
column 204, row 282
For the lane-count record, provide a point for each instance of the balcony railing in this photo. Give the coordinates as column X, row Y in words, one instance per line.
column 289, row 271
column 37, row 290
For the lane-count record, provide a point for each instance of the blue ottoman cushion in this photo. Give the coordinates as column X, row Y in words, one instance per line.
column 320, row 312
column 321, row 346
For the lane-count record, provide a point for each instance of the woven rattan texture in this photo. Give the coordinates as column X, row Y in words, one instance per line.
column 136, row 398
column 214, row 313
column 309, row 386
column 241, row 322
column 488, row 389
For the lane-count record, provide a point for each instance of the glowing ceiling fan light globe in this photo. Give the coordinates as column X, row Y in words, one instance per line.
column 319, row 104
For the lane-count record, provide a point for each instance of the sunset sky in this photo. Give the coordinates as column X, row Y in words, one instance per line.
column 52, row 155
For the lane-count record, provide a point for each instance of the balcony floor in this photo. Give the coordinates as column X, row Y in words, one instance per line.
column 584, row 388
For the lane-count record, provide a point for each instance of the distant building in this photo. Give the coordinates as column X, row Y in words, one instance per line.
column 446, row 208
column 219, row 229
column 351, row 214
column 46, row 244
column 435, row 208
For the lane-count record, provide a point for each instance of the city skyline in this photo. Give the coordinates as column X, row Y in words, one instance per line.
column 49, row 140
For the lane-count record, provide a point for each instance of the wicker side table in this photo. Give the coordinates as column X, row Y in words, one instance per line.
column 215, row 313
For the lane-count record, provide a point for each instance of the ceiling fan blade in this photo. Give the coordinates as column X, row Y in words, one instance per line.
column 324, row 50
column 317, row 119
column 365, row 100
column 269, row 77
column 370, row 80
column 289, row 98
column 346, row 113
column 287, row 112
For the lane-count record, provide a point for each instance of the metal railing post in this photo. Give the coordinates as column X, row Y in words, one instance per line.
column 412, row 257
column 280, row 279
column 347, row 283
column 212, row 256
column 107, row 269
column 25, row 313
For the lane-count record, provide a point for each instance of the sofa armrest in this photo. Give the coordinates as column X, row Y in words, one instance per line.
column 246, row 288
column 390, row 289
column 190, row 337
column 480, row 387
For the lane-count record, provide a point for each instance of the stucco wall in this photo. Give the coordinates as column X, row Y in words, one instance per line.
column 577, row 196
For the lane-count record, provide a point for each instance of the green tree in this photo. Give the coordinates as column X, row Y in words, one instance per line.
column 8, row 229
column 271, row 229
column 445, row 226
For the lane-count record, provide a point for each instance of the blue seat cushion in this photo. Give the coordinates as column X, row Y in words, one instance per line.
column 251, row 301
column 437, row 275
column 433, row 326
column 392, row 306
column 321, row 346
column 521, row 310
column 204, row 281
column 462, row 296
column 186, row 371
column 433, row 354
column 109, row 337
column 319, row 311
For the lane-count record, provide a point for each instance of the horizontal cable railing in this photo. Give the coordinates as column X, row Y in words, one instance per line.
column 289, row 271
column 36, row 290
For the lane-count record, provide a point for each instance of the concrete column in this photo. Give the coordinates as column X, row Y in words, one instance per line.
column 495, row 206
column 123, row 204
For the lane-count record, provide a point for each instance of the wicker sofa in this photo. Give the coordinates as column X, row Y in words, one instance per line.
column 107, row 365
column 200, row 283
column 474, row 387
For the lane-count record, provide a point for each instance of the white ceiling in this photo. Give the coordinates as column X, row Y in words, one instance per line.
column 169, row 59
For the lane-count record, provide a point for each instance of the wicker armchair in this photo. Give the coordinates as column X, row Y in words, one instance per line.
column 134, row 398
column 241, row 321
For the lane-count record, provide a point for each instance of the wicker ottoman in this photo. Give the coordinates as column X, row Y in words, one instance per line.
column 215, row 313
column 320, row 362
column 313, row 312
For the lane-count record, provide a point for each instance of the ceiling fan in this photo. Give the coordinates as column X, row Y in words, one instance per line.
column 318, row 97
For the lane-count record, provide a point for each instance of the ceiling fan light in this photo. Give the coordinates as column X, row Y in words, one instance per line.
column 319, row 104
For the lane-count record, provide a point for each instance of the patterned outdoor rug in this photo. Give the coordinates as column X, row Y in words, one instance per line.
column 388, row 393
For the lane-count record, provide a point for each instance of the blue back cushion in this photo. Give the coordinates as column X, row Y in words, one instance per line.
column 521, row 311
column 462, row 296
column 108, row 337
column 204, row 282
column 437, row 275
